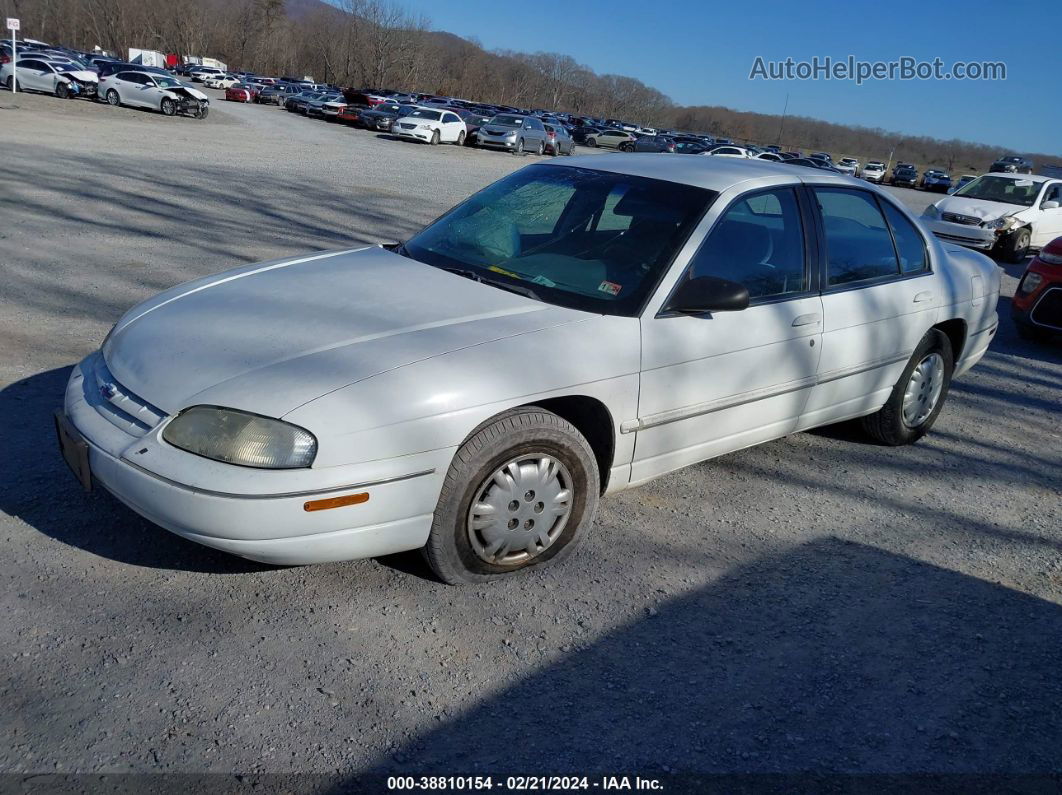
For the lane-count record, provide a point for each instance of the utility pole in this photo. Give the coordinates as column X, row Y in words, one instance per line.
column 13, row 24
column 781, row 126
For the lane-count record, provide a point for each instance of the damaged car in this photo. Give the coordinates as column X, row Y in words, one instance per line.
column 1005, row 214
column 158, row 92
column 61, row 79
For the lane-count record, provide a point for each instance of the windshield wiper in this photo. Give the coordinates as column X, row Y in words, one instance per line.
column 519, row 289
column 468, row 274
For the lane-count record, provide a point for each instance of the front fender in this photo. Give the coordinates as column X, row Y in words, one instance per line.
column 435, row 403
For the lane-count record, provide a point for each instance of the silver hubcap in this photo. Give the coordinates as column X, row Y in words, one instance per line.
column 520, row 510
column 923, row 390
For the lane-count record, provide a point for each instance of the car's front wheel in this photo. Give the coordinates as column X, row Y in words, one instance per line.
column 1014, row 247
column 461, row 138
column 918, row 395
column 520, row 492
column 62, row 90
column 168, row 107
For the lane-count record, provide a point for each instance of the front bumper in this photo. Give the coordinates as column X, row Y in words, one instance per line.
column 500, row 143
column 965, row 235
column 272, row 527
column 417, row 134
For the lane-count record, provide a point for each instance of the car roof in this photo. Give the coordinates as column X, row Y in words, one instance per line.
column 1012, row 175
column 713, row 173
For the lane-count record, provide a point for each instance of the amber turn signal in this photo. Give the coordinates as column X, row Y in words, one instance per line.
column 336, row 502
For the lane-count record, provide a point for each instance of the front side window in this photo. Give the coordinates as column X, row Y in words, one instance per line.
column 578, row 237
column 858, row 242
column 757, row 242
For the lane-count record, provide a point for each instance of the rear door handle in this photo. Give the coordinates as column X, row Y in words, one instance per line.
column 925, row 295
column 807, row 320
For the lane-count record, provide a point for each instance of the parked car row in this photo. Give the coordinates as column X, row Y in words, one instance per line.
column 69, row 74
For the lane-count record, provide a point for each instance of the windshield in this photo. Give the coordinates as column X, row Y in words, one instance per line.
column 507, row 121
column 1001, row 189
column 168, row 82
column 434, row 115
column 577, row 237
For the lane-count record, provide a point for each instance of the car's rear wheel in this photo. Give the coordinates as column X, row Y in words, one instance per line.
column 1014, row 247
column 113, row 98
column 168, row 107
column 521, row 491
column 918, row 396
column 541, row 148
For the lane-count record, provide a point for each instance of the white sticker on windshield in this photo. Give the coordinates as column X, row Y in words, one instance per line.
column 1023, row 183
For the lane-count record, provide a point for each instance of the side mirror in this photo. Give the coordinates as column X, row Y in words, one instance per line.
column 1049, row 205
column 708, row 294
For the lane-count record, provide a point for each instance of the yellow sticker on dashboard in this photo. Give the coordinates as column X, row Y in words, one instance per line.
column 504, row 272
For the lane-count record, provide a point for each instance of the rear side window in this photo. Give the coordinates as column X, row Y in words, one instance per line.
column 909, row 243
column 858, row 242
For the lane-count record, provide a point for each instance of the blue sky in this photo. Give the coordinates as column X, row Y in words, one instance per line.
column 701, row 53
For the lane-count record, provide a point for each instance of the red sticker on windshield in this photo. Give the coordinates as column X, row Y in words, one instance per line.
column 610, row 287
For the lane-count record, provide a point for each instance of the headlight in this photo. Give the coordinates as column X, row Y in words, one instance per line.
column 932, row 211
column 1031, row 283
column 1050, row 259
column 237, row 437
column 1000, row 223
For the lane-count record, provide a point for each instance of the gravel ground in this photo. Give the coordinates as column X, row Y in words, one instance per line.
column 817, row 603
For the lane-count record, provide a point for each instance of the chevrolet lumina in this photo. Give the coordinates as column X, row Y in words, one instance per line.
column 568, row 332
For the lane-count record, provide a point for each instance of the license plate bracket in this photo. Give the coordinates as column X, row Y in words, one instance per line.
column 75, row 450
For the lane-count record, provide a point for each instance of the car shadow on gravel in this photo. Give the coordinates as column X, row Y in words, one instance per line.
column 40, row 490
column 833, row 657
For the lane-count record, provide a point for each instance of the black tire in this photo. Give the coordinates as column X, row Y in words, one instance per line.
column 7, row 83
column 887, row 425
column 1013, row 247
column 591, row 142
column 530, row 431
column 168, row 107
column 461, row 138
column 435, row 138
column 204, row 110
column 541, row 148
column 62, row 90
column 112, row 98
column 519, row 150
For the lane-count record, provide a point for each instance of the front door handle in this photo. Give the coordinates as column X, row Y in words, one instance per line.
column 807, row 320
column 925, row 295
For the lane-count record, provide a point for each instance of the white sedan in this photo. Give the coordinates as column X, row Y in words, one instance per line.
column 567, row 332
column 1008, row 214
column 431, row 125
column 729, row 150
column 61, row 78
column 225, row 81
column 149, row 90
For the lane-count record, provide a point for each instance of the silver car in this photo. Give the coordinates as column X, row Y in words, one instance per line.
column 558, row 140
column 518, row 134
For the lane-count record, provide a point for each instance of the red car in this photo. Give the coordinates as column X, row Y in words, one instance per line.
column 351, row 114
column 240, row 93
column 1037, row 303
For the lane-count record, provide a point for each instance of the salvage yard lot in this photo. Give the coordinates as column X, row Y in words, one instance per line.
column 814, row 603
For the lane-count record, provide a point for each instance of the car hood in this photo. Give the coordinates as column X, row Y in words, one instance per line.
column 270, row 337
column 82, row 74
column 978, row 208
column 175, row 92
